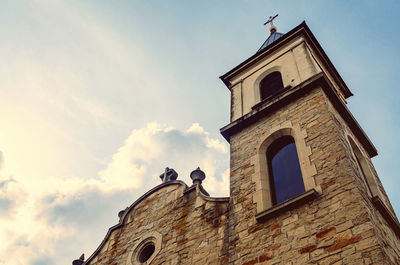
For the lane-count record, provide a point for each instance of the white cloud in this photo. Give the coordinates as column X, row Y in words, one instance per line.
column 217, row 186
column 217, row 144
column 129, row 164
column 195, row 128
column 147, row 151
column 211, row 143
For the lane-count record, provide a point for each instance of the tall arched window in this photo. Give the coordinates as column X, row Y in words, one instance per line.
column 270, row 85
column 284, row 170
column 364, row 170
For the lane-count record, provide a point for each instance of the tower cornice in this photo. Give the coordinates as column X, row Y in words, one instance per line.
column 290, row 94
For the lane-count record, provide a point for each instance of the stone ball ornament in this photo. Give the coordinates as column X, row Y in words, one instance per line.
column 197, row 175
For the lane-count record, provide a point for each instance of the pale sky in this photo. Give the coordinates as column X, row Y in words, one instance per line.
column 98, row 97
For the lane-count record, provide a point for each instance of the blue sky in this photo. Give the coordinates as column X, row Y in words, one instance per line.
column 98, row 97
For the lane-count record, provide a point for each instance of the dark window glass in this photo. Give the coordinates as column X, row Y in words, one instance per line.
column 284, row 170
column 363, row 175
column 270, row 85
column 362, row 164
column 146, row 252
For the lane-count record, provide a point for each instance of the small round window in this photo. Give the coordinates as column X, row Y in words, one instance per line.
column 145, row 249
column 146, row 252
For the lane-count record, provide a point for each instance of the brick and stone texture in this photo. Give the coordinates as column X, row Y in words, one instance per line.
column 341, row 226
column 193, row 229
column 386, row 237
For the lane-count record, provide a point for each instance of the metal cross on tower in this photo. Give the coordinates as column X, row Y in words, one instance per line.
column 270, row 20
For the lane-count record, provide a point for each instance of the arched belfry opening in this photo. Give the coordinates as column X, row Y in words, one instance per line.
column 366, row 175
column 271, row 85
column 284, row 170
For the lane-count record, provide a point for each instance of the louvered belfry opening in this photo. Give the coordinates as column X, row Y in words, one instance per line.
column 271, row 85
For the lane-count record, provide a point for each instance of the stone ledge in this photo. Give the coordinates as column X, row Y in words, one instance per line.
column 287, row 205
column 271, row 98
column 386, row 214
column 318, row 80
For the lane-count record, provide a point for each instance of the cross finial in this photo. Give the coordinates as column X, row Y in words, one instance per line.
column 270, row 20
column 168, row 175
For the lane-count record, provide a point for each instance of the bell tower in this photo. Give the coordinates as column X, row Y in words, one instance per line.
column 303, row 187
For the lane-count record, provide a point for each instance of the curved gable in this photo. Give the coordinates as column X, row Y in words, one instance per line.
column 146, row 198
column 171, row 210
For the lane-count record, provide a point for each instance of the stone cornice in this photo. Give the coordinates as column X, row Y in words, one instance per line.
column 290, row 95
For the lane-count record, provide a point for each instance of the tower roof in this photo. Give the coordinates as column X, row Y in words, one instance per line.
column 272, row 37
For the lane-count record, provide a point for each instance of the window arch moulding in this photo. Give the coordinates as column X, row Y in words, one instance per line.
column 262, row 196
column 257, row 82
column 153, row 237
column 363, row 168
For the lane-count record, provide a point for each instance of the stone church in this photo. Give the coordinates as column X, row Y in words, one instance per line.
column 303, row 189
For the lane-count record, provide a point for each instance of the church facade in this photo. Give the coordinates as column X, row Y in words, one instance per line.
column 303, row 189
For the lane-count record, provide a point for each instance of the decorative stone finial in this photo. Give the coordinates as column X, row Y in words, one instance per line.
column 169, row 175
column 79, row 261
column 121, row 213
column 197, row 176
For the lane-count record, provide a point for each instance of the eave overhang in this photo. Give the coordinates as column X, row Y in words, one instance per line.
column 301, row 30
column 281, row 100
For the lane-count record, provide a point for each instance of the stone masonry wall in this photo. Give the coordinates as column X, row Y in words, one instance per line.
column 193, row 229
column 336, row 228
column 389, row 241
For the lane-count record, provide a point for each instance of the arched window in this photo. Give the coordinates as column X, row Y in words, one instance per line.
column 284, row 170
column 364, row 169
column 270, row 85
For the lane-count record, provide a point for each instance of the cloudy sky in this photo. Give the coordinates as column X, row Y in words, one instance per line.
column 98, row 97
